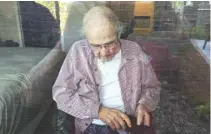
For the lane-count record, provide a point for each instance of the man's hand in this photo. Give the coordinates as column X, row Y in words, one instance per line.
column 142, row 115
column 114, row 118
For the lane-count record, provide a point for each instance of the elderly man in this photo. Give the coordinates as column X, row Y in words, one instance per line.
column 105, row 80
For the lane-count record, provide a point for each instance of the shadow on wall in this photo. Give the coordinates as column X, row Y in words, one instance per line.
column 40, row 28
column 8, row 43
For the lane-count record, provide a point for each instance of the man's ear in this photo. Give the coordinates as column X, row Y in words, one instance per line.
column 119, row 30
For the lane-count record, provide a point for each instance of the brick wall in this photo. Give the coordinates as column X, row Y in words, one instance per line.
column 123, row 9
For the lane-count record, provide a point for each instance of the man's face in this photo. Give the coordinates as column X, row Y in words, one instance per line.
column 103, row 41
column 102, row 36
column 106, row 51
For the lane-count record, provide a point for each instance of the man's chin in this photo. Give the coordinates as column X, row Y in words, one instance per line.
column 106, row 59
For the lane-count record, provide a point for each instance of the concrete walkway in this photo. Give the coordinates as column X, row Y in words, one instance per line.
column 198, row 44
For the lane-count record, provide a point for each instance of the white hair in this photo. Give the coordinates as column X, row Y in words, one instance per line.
column 104, row 13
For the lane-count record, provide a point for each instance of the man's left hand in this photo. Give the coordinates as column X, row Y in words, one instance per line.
column 142, row 115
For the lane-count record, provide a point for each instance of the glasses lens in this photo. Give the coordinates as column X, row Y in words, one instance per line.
column 108, row 45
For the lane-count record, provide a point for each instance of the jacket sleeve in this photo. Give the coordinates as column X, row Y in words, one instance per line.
column 150, row 95
column 65, row 91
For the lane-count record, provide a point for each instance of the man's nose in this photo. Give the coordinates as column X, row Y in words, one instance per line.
column 103, row 47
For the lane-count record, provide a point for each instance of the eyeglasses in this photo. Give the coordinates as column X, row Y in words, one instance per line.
column 108, row 45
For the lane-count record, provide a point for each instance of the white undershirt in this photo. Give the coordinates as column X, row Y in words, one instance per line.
column 109, row 91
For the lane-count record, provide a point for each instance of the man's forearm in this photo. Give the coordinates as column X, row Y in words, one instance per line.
column 150, row 98
column 75, row 105
column 150, row 90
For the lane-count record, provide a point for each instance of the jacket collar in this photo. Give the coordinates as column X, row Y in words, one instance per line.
column 127, row 55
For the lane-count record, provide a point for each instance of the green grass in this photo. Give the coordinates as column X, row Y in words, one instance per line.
column 197, row 32
column 203, row 109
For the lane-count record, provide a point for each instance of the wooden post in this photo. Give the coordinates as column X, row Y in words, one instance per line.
column 57, row 10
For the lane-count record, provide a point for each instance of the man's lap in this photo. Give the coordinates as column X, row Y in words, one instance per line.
column 98, row 129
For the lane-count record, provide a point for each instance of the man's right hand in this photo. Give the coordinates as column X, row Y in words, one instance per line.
column 114, row 118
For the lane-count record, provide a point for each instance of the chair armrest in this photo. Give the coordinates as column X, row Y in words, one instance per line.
column 30, row 95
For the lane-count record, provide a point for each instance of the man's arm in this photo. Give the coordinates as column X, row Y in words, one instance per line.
column 65, row 91
column 150, row 95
